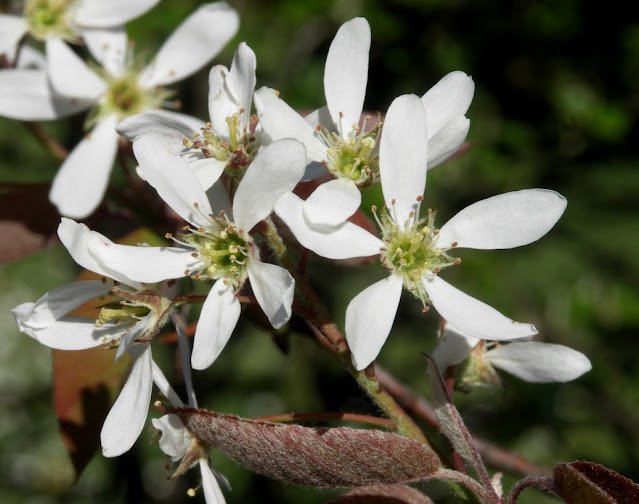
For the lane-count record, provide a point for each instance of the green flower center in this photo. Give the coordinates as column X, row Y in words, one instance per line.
column 50, row 18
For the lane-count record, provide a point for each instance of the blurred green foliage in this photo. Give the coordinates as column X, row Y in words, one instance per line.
column 555, row 106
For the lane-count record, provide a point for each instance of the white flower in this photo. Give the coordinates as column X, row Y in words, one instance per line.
column 220, row 247
column 67, row 20
column 531, row 361
column 131, row 320
column 122, row 91
column 413, row 250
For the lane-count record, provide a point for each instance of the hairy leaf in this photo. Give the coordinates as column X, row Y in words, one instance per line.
column 587, row 483
column 383, row 494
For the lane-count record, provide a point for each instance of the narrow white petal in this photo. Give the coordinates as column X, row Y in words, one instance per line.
column 163, row 385
column 88, row 167
column 100, row 14
column 220, row 313
column 277, row 169
column 403, row 157
column 274, row 289
column 453, row 347
column 127, row 417
column 171, row 177
column 176, row 439
column 69, row 75
column 346, row 74
column 332, row 202
column 447, row 100
column 471, row 316
column 505, row 221
column 537, row 362
column 447, row 141
column 208, row 171
column 109, row 47
column 341, row 242
column 74, row 333
column 173, row 126
column 30, row 58
column 212, row 492
column 281, row 121
column 193, row 44
column 26, row 95
column 12, row 29
column 223, row 100
column 369, row 319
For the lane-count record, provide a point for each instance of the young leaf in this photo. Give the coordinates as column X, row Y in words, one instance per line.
column 587, row 483
column 383, row 494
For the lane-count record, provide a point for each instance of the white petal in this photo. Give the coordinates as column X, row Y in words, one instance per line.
column 341, row 242
column 162, row 384
column 109, row 47
column 173, row 126
column 220, row 313
column 212, row 492
column 30, row 58
column 12, row 29
column 171, row 177
column 274, row 289
column 453, row 347
column 281, row 121
column 79, row 186
column 346, row 74
column 175, row 439
column 447, row 141
column 277, row 169
column 537, row 362
column 403, row 157
column 26, row 95
column 332, row 202
column 208, row 171
column 369, row 319
column 69, row 75
column 100, row 14
column 192, row 45
column 505, row 221
column 127, row 417
column 471, row 316
column 218, row 195
column 447, row 100
column 322, row 117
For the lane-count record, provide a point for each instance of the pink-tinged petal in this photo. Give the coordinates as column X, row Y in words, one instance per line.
column 109, row 47
column 173, row 126
column 537, row 362
column 403, row 157
column 193, row 44
column 447, row 141
column 171, row 177
column 346, row 74
column 26, row 95
column 101, row 14
column 277, row 169
column 208, row 171
column 79, row 186
column 505, row 221
column 447, row 100
column 175, row 439
column 127, row 417
column 212, row 492
column 69, row 75
column 471, row 316
column 274, row 289
column 332, row 203
column 341, row 242
column 369, row 319
column 281, row 121
column 12, row 29
column 453, row 347
column 219, row 316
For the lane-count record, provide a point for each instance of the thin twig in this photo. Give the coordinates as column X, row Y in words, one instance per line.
column 54, row 147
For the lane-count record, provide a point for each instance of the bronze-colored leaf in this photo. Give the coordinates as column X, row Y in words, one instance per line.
column 383, row 494
column 323, row 457
column 587, row 483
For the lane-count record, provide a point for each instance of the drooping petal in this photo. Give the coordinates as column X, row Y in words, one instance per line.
column 192, row 45
column 447, row 100
column 101, row 14
column 212, row 491
column 505, row 221
column 208, row 171
column 26, row 95
column 220, row 313
column 447, row 141
column 277, row 169
column 470, row 315
column 88, row 166
column 127, row 417
column 162, row 384
column 175, row 438
column 346, row 74
column 109, row 47
column 403, row 157
column 69, row 75
column 453, row 347
column 12, row 29
column 537, row 362
column 281, row 121
column 341, row 242
column 274, row 289
column 173, row 126
column 369, row 319
column 332, row 202
column 171, row 177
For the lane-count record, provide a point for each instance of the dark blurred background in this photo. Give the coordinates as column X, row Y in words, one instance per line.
column 555, row 106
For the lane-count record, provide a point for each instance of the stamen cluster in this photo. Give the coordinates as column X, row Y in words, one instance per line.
column 50, row 18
